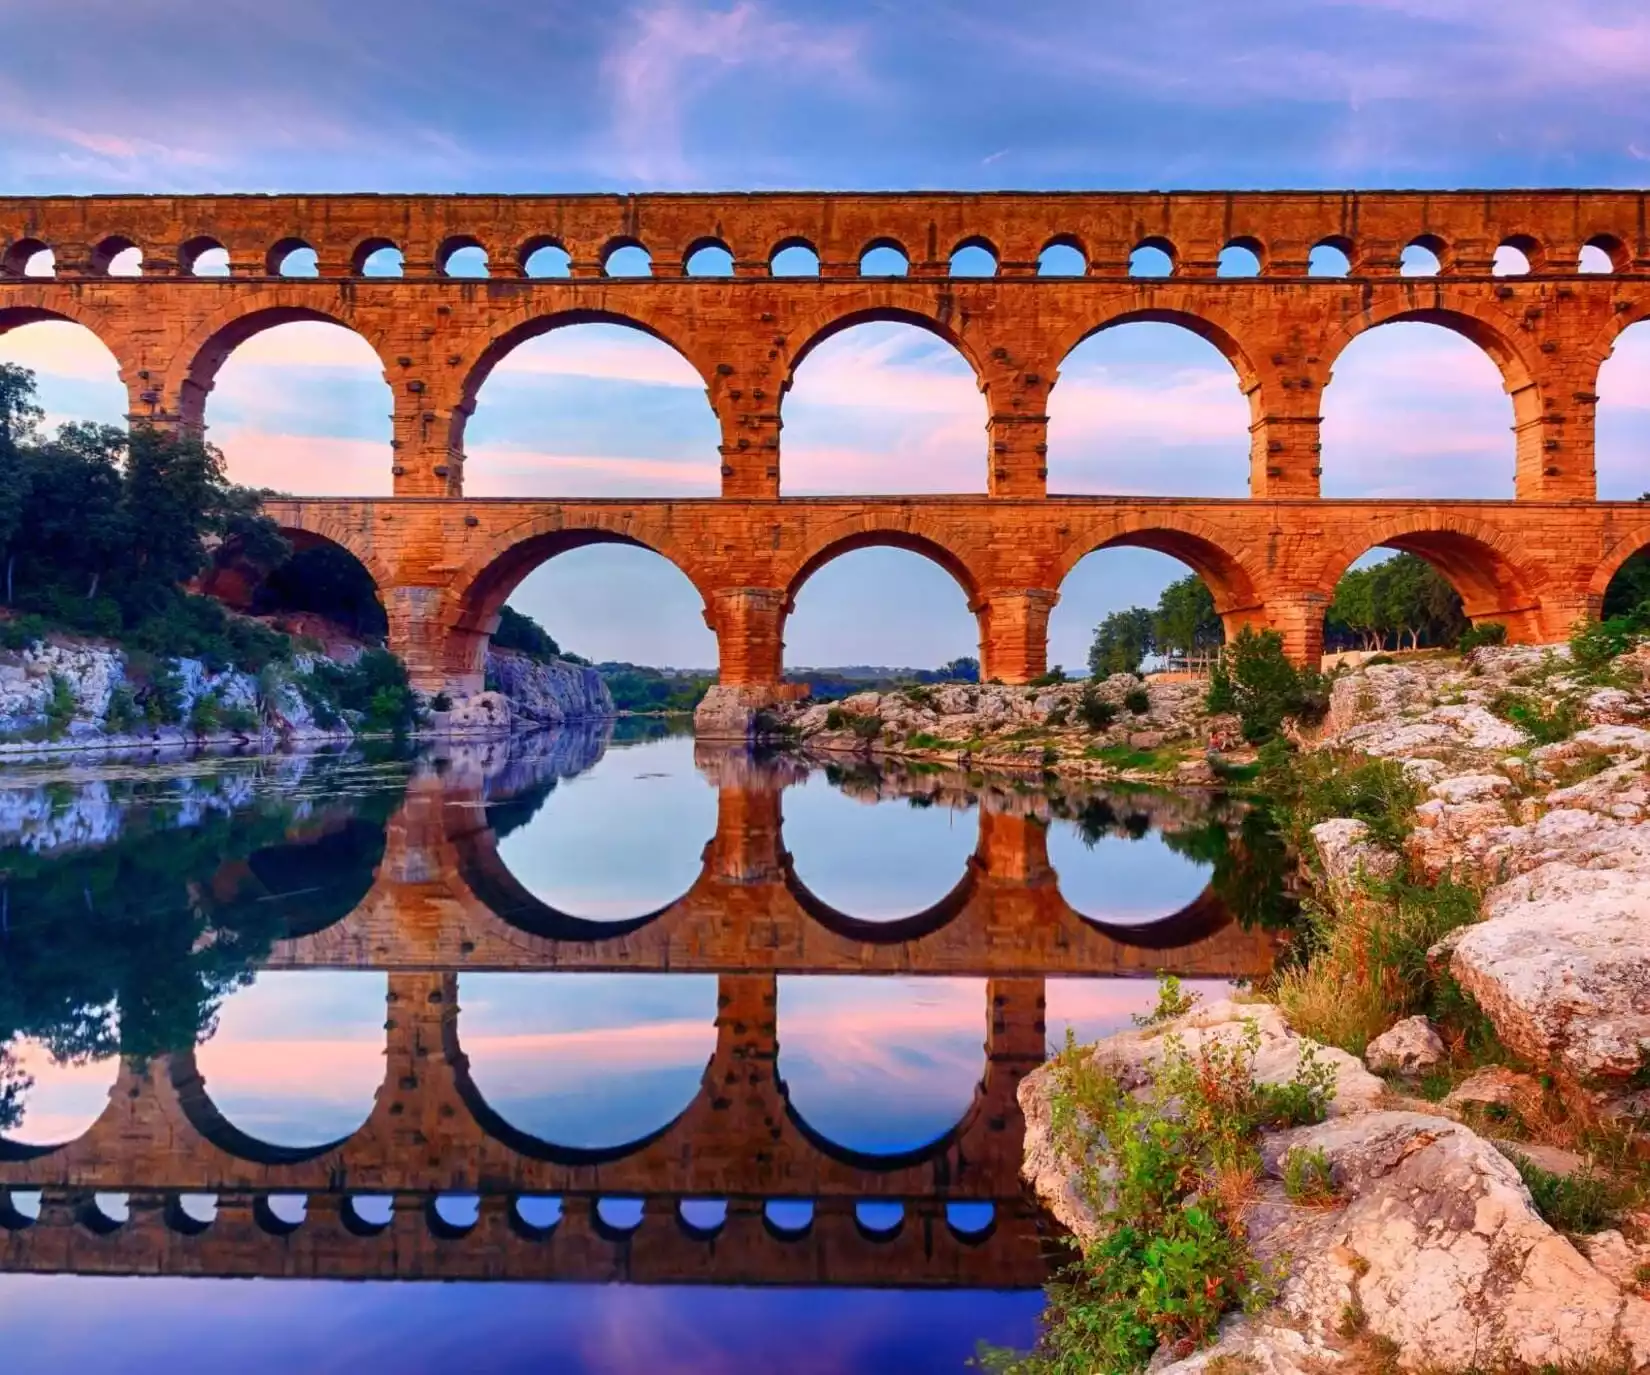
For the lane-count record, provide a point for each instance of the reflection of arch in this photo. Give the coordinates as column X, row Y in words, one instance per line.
column 206, row 1118
column 1229, row 576
column 1198, row 920
column 894, row 932
column 1479, row 561
column 204, row 353
column 530, row 323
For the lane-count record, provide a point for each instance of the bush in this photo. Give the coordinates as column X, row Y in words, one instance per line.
column 1257, row 681
column 1544, row 723
column 1593, row 644
column 375, row 687
column 1053, row 678
column 241, row 720
column 525, row 635
column 1307, row 1178
column 1583, row 1202
column 1487, row 633
column 61, row 705
column 122, row 716
column 442, row 701
column 836, row 719
column 1315, row 787
column 1060, row 716
column 1166, row 1175
column 207, row 714
column 1137, row 700
column 22, row 631
column 161, row 696
column 1094, row 711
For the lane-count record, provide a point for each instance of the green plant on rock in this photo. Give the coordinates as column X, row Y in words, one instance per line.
column 1546, row 723
column 207, row 714
column 1258, row 682
column 1485, row 633
column 1595, row 644
column 1137, row 701
column 1172, row 1001
column 1579, row 1203
column 122, row 715
column 61, row 705
column 1164, row 1175
column 1094, row 711
column 1307, row 1178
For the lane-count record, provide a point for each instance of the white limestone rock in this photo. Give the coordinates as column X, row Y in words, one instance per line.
column 1409, row 1047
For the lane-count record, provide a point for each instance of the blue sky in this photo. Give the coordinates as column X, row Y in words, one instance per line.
column 543, row 95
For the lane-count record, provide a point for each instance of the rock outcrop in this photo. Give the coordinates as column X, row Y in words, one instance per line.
column 1431, row 1242
column 548, row 693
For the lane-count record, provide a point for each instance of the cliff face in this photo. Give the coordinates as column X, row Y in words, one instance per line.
column 548, row 694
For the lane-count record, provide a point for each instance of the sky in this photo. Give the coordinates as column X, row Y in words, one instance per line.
column 547, row 95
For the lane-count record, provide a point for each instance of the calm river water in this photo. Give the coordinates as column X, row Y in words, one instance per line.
column 663, row 1058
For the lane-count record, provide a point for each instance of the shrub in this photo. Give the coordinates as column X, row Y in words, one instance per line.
column 22, row 631
column 1172, row 1001
column 442, row 701
column 1593, row 644
column 1314, row 787
column 1137, row 700
column 1053, row 678
column 1544, row 723
column 207, row 713
column 61, row 705
column 242, row 720
column 1487, row 633
column 1094, row 711
column 1060, row 716
column 865, row 727
column 1263, row 687
column 1579, row 1203
column 162, row 694
column 836, row 719
column 1307, row 1178
column 122, row 715
column 1165, row 1175
column 375, row 687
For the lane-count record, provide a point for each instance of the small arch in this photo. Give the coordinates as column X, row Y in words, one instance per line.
column 702, row 1218
column 1243, row 257
column 543, row 256
column 626, row 257
column 708, row 258
column 1604, row 253
column 1153, row 257
column 1062, row 256
column 794, row 257
column 879, row 1219
column 28, row 257
column 377, row 257
column 536, row 1215
column 366, row 1215
column 974, row 257
column 616, row 1217
column 103, row 1214
column 461, row 256
column 291, row 257
column 1516, row 256
column 1422, row 257
column 451, row 1216
column 884, row 258
column 117, row 256
column 203, row 257
column 1331, row 257
column 19, row 1209
column 971, row 1221
column 191, row 1214
column 280, row 1215
column 788, row 1219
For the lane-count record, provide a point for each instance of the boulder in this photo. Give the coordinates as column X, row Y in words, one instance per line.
column 1349, row 857
column 1494, row 1087
column 1410, row 1047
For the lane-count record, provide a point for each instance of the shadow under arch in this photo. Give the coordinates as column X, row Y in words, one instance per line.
column 1476, row 560
column 531, row 324
column 930, row 919
column 1611, row 563
column 238, row 586
column 204, row 353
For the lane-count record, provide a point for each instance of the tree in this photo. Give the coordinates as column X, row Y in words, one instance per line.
column 1262, row 686
column 329, row 581
column 1186, row 623
column 524, row 635
column 964, row 669
column 18, row 418
column 1121, row 641
column 1628, row 594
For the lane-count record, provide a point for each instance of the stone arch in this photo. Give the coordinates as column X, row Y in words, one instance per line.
column 363, row 250
column 1610, row 564
column 31, row 307
column 305, row 528
column 1481, row 562
column 1164, row 309
column 15, row 259
column 895, row 304
column 195, row 365
column 1495, row 333
column 110, row 247
column 214, row 1126
column 1238, row 585
column 904, row 530
column 479, row 589
column 531, row 322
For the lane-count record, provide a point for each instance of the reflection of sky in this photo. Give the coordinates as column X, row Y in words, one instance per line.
column 298, row 1056
column 588, row 1060
column 97, row 1326
column 881, row 1064
column 1122, row 881
column 63, row 1100
column 875, row 861
column 621, row 840
column 1093, row 1008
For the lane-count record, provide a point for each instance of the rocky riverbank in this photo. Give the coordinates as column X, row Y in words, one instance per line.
column 1478, row 835
column 1119, row 727
column 65, row 694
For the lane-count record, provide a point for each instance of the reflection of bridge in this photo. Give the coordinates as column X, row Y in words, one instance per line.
column 431, row 1134
column 444, row 899
column 445, row 565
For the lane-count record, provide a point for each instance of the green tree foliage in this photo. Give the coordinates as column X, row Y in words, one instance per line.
column 526, row 636
column 1258, row 682
column 1185, row 623
column 1401, row 599
column 101, row 529
column 1627, row 598
column 1121, row 642
column 375, row 685
column 964, row 669
column 328, row 581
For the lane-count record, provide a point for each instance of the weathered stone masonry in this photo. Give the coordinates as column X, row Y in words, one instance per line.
column 445, row 564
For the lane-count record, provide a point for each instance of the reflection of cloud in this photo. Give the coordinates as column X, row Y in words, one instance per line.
column 64, row 1100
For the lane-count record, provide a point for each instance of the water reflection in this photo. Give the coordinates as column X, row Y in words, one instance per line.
column 584, row 1009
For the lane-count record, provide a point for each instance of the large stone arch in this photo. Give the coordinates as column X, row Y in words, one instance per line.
column 899, row 302
column 1482, row 562
column 1238, row 583
column 196, row 363
column 482, row 585
column 530, row 322
column 306, row 524
column 27, row 306
column 1164, row 305
column 1610, row 564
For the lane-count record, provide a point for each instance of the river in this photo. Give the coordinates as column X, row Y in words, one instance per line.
column 663, row 1057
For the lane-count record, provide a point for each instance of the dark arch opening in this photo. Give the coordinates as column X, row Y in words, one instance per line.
column 203, row 257
column 462, row 255
column 626, row 257
column 1062, row 256
column 545, row 257
column 794, row 258
column 377, row 257
column 28, row 257
column 320, row 585
column 708, row 258
column 118, row 256
column 291, row 257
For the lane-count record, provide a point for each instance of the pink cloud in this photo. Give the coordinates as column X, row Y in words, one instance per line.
column 306, row 465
